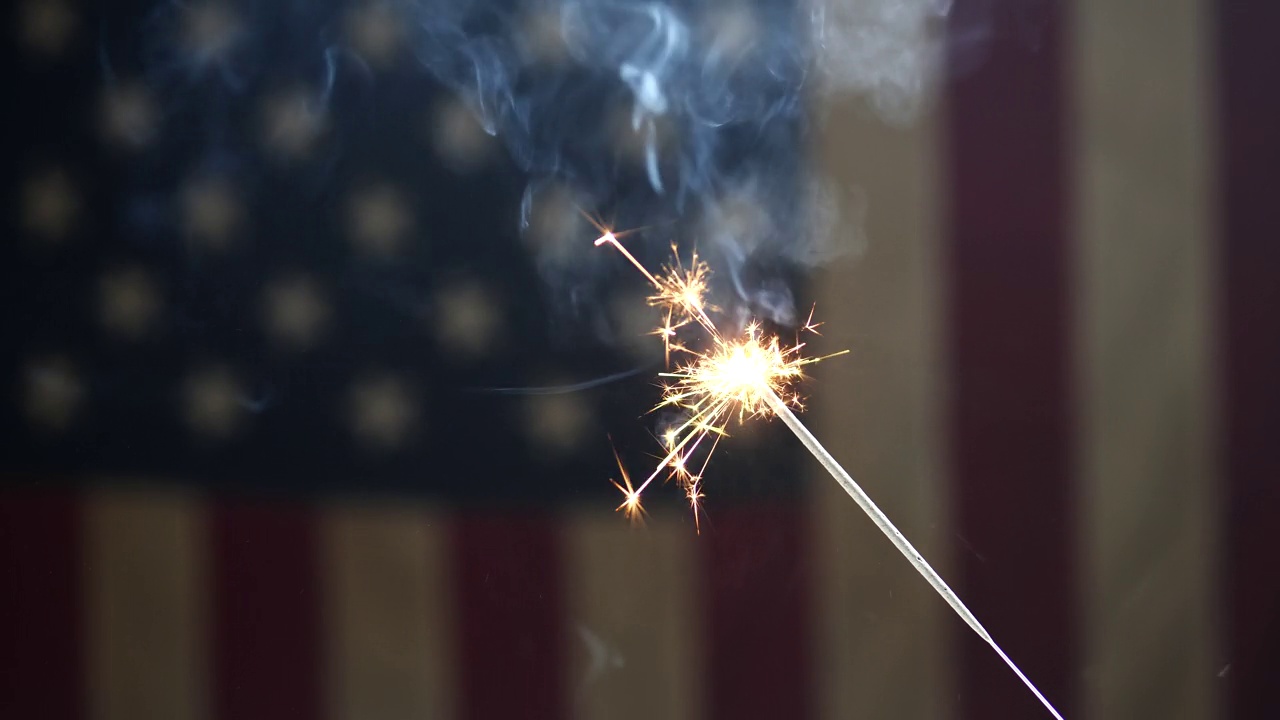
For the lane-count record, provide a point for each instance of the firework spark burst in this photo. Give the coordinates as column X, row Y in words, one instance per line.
column 737, row 378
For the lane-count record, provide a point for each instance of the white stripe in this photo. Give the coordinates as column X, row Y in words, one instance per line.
column 389, row 609
column 147, row 650
column 880, row 640
column 633, row 619
column 1143, row 289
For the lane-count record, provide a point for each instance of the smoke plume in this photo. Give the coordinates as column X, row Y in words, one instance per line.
column 686, row 116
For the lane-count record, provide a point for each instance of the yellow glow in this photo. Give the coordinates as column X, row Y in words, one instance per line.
column 630, row 506
column 731, row 379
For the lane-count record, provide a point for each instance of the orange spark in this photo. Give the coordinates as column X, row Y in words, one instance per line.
column 630, row 506
column 608, row 236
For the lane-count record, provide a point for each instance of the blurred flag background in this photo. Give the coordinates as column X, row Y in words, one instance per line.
column 271, row 448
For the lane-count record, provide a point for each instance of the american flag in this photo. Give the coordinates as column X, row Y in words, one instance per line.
column 261, row 460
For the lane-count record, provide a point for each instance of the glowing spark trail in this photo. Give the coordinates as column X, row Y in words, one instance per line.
column 747, row 377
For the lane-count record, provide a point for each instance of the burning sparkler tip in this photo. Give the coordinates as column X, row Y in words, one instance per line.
column 736, row 376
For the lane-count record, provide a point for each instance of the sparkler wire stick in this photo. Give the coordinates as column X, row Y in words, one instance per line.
column 747, row 377
column 895, row 536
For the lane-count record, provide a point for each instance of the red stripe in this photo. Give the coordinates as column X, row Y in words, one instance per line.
column 1010, row 416
column 41, row 671
column 511, row 617
column 266, row 635
column 757, row 602
column 1249, row 55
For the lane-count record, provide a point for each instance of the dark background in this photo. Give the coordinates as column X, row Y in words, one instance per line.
column 310, row 414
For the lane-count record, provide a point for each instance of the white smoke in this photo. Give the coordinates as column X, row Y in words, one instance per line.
column 887, row 50
column 687, row 115
column 717, row 96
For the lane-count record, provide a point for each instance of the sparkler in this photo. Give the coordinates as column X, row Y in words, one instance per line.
column 746, row 377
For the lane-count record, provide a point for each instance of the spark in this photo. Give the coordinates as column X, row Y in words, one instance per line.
column 609, row 237
column 693, row 492
column 730, row 381
column 683, row 291
column 630, row 506
column 810, row 325
column 753, row 375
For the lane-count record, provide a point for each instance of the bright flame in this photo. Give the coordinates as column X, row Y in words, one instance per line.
column 732, row 379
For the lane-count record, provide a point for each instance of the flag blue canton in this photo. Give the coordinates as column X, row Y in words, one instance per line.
column 246, row 265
